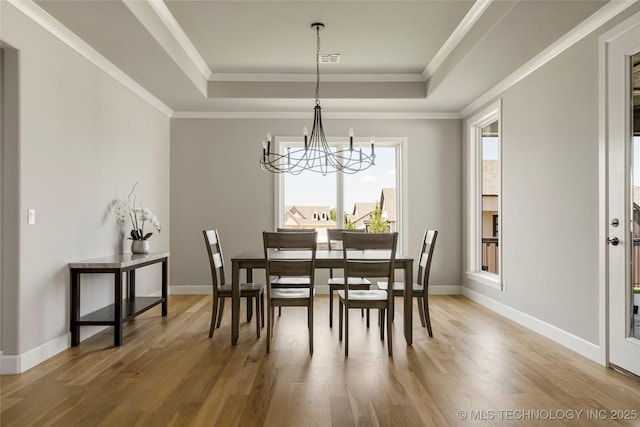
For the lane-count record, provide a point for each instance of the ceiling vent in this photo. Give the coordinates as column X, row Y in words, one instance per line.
column 329, row 58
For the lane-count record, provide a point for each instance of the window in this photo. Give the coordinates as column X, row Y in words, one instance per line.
column 484, row 198
column 366, row 200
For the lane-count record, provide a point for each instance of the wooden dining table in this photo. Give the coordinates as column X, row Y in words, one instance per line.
column 324, row 259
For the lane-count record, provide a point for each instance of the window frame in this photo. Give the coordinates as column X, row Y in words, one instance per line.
column 400, row 144
column 475, row 123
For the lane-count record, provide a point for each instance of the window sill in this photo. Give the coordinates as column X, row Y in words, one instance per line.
column 488, row 279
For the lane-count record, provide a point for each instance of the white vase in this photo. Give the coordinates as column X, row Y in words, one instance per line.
column 139, row 246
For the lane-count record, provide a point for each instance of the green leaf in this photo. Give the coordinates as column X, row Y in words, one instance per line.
column 134, row 235
column 146, row 236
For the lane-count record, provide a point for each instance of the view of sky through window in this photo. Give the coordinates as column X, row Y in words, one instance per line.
column 313, row 189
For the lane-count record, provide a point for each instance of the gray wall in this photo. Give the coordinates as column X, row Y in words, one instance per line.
column 216, row 182
column 84, row 140
column 550, row 197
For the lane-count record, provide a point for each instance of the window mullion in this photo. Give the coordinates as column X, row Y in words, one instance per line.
column 340, row 200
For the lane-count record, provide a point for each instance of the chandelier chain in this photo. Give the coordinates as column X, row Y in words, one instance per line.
column 318, row 65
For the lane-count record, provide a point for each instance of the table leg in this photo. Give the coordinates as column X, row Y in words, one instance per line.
column 408, row 302
column 165, row 280
column 117, row 311
column 131, row 281
column 75, row 308
column 235, row 302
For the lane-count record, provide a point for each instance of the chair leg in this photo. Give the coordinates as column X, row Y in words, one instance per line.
column 249, row 309
column 346, row 331
column 368, row 317
column 258, row 316
column 330, row 307
column 269, row 326
column 389, row 337
column 426, row 315
column 392, row 309
column 340, row 309
column 310, row 322
column 214, row 312
column 420, row 302
column 262, row 308
column 382, row 313
column 362, row 312
column 220, row 311
column 272, row 314
column 279, row 311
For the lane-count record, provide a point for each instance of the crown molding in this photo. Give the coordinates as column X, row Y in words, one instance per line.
column 299, row 77
column 580, row 31
column 56, row 28
column 158, row 27
column 165, row 15
column 469, row 20
column 308, row 115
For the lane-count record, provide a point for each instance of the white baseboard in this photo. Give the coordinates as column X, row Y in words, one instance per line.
column 320, row 289
column 22, row 362
column 562, row 337
column 445, row 290
column 191, row 290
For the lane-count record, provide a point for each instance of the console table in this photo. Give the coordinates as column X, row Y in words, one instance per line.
column 123, row 309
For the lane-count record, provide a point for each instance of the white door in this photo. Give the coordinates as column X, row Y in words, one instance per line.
column 622, row 53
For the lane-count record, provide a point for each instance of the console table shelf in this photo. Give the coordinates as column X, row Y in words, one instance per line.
column 123, row 309
column 130, row 309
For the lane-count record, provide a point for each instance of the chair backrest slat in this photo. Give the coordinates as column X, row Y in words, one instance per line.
column 290, row 240
column 368, row 268
column 334, row 236
column 216, row 261
column 426, row 255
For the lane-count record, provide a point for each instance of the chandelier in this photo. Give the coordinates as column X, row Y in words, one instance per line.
column 317, row 156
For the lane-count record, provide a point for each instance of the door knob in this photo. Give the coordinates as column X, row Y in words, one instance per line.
column 613, row 242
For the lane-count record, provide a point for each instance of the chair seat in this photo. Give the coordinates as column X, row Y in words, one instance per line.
column 352, row 281
column 289, row 293
column 365, row 295
column 398, row 288
column 245, row 289
column 290, row 281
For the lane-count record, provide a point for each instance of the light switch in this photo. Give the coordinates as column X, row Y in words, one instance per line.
column 31, row 216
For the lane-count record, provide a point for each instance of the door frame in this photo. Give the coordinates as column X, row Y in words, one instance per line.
column 603, row 181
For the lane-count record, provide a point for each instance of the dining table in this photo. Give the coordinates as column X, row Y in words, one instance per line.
column 254, row 259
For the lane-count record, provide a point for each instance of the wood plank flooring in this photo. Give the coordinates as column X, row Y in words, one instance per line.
column 479, row 369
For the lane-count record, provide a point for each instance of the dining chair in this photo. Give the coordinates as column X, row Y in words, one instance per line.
column 367, row 255
column 420, row 288
column 334, row 242
column 222, row 290
column 290, row 282
column 291, row 255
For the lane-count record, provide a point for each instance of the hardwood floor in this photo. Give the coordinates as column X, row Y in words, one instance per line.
column 478, row 369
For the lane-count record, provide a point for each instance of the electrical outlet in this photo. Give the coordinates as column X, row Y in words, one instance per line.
column 31, row 216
